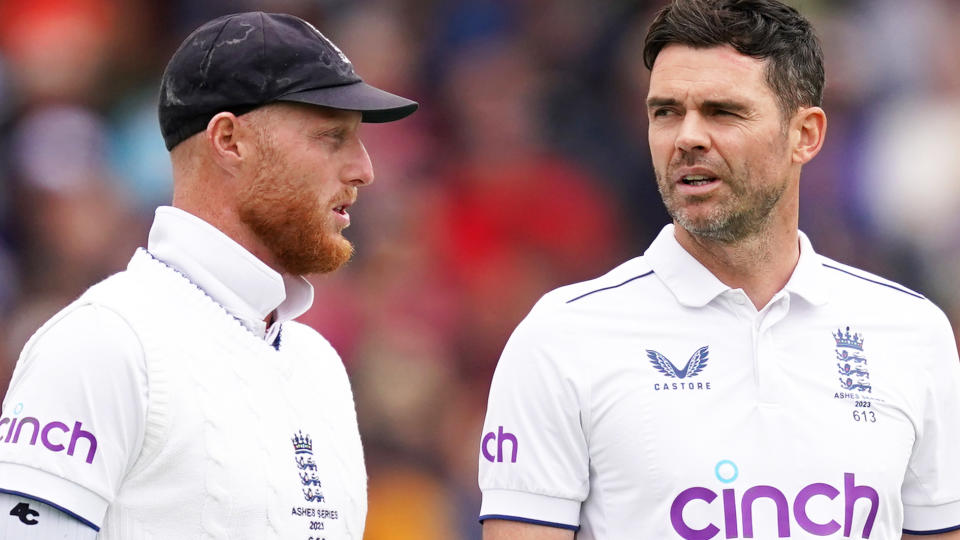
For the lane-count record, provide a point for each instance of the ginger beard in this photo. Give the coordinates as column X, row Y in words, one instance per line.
column 291, row 221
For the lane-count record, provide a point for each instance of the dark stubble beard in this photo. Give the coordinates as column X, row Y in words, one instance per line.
column 290, row 221
column 743, row 214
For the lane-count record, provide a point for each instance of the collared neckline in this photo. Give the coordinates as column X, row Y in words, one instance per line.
column 689, row 281
column 807, row 278
column 695, row 286
column 232, row 276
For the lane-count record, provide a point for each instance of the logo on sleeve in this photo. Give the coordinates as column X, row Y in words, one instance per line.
column 693, row 367
column 55, row 436
column 27, row 515
column 499, row 438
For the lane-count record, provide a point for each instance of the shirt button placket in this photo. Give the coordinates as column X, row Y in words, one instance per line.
column 765, row 360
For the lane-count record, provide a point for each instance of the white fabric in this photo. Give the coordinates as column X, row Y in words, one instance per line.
column 184, row 418
column 26, row 519
column 241, row 283
column 84, row 365
column 583, row 393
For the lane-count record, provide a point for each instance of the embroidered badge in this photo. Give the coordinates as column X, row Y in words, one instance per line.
column 317, row 518
column 693, row 367
column 851, row 362
column 303, row 453
column 854, row 375
column 695, row 364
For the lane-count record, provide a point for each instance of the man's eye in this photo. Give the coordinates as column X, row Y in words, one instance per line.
column 334, row 136
column 662, row 112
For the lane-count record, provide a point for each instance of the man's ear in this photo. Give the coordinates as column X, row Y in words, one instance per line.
column 224, row 135
column 810, row 124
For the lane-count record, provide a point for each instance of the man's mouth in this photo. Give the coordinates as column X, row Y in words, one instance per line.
column 697, row 180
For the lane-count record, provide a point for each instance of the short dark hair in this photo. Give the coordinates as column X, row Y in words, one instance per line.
column 763, row 29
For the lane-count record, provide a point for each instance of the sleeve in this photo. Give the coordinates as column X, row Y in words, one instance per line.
column 73, row 418
column 26, row 519
column 534, row 464
column 931, row 488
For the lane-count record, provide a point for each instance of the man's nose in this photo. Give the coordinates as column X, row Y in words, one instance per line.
column 361, row 170
column 693, row 134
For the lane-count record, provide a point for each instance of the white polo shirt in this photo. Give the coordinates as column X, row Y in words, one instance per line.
column 92, row 427
column 656, row 402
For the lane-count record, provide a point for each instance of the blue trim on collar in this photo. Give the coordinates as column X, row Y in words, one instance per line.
column 276, row 341
column 611, row 287
column 86, row 522
column 903, row 290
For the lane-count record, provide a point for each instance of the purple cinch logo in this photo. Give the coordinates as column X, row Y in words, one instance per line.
column 500, row 436
column 52, row 434
column 851, row 494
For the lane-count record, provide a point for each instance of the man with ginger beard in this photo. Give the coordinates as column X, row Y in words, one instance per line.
column 178, row 398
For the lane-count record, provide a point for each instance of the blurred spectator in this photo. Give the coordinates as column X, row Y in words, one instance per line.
column 912, row 167
column 77, row 218
column 526, row 168
column 514, row 217
column 58, row 48
column 135, row 152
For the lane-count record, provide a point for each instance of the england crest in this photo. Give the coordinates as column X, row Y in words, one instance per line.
column 303, row 456
column 851, row 362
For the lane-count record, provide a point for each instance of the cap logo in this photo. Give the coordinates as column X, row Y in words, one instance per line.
column 241, row 61
column 343, row 57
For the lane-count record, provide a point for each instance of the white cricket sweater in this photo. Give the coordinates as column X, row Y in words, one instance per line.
column 241, row 440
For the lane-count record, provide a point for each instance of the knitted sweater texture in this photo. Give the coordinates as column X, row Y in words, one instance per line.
column 242, row 440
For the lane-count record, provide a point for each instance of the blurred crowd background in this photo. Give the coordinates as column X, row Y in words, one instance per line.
column 526, row 168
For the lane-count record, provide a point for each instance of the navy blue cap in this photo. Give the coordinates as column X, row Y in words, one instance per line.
column 242, row 61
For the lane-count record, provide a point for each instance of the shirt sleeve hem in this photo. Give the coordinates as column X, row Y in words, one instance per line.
column 531, row 521
column 931, row 519
column 60, row 493
column 514, row 505
column 938, row 531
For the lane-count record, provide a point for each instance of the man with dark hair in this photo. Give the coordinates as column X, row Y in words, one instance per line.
column 178, row 399
column 729, row 383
